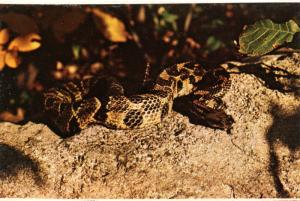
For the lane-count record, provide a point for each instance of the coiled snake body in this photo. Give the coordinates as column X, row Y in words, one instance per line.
column 73, row 107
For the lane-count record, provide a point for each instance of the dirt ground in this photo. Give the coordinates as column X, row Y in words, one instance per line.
column 177, row 159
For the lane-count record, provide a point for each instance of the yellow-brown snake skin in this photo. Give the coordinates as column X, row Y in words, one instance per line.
column 73, row 108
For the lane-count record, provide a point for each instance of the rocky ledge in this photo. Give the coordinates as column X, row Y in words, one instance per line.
column 177, row 159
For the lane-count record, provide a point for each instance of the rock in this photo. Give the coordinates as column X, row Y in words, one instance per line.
column 177, row 159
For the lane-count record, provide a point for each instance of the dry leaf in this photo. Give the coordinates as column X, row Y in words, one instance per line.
column 85, row 53
column 68, row 23
column 4, row 36
column 96, row 67
column 14, row 118
column 12, row 59
column 141, row 17
column 2, row 60
column 59, row 65
column 19, row 23
column 193, row 44
column 111, row 27
column 25, row 43
column 72, row 68
column 58, row 75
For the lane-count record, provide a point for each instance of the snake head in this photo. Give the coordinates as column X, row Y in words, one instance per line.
column 187, row 76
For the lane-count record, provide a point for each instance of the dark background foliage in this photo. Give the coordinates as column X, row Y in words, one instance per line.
column 74, row 44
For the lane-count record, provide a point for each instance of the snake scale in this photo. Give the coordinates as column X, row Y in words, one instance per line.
column 73, row 106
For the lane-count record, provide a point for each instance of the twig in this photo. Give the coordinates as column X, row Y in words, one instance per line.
column 188, row 18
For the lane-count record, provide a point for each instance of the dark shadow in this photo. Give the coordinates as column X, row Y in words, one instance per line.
column 269, row 74
column 200, row 114
column 286, row 130
column 205, row 106
column 13, row 160
column 42, row 117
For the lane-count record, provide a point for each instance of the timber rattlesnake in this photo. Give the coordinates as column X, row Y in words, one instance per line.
column 73, row 106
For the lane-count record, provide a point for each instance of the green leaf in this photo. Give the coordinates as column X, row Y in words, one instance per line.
column 213, row 43
column 165, row 20
column 76, row 50
column 264, row 36
column 169, row 17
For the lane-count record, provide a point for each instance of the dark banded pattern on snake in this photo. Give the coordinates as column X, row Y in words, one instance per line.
column 72, row 108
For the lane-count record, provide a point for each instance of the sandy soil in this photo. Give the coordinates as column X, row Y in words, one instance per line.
column 177, row 159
